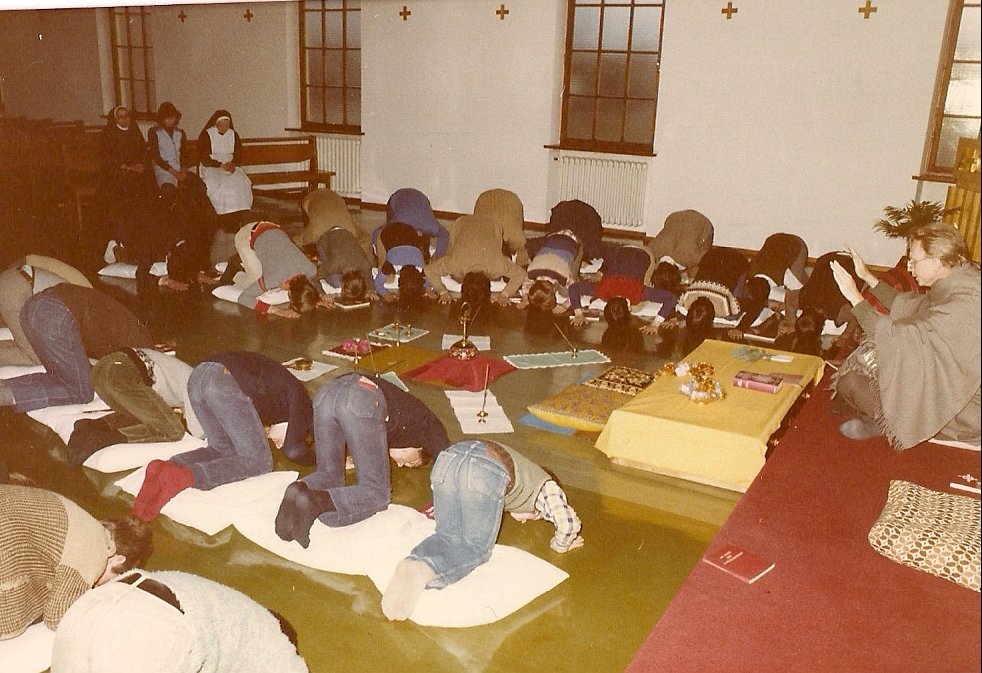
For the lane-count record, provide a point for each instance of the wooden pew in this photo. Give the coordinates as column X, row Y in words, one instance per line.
column 268, row 153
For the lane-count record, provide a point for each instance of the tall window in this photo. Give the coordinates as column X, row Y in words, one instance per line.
column 959, row 98
column 330, row 65
column 610, row 90
column 133, row 59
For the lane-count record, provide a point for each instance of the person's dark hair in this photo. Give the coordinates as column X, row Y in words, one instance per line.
column 475, row 289
column 182, row 263
column 807, row 336
column 621, row 335
column 411, row 286
column 133, row 540
column 754, row 300
column 166, row 110
column 677, row 341
column 542, row 295
column 353, row 285
column 667, row 276
column 303, row 295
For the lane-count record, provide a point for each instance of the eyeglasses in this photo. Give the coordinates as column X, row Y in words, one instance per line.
column 911, row 262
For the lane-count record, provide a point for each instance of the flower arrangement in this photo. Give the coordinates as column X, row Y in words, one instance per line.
column 699, row 384
column 356, row 346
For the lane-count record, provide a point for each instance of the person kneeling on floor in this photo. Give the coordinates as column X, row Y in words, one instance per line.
column 473, row 481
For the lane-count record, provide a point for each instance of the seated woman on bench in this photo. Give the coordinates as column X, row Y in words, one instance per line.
column 220, row 152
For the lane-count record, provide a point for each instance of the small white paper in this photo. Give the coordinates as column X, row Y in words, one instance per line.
column 592, row 266
column 466, row 406
column 483, row 343
column 316, row 369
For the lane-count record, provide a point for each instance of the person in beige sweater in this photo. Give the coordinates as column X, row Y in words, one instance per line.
column 475, row 245
column 53, row 551
column 505, row 208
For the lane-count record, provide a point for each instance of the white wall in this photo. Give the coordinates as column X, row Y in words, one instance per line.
column 790, row 117
column 457, row 101
column 798, row 117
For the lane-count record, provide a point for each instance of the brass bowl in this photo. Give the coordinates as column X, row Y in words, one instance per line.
column 302, row 364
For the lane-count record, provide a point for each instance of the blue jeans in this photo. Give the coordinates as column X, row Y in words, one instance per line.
column 237, row 445
column 53, row 333
column 468, row 498
column 351, row 412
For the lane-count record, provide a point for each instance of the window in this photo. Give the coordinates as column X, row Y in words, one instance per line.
column 610, row 89
column 957, row 102
column 330, row 65
column 133, row 60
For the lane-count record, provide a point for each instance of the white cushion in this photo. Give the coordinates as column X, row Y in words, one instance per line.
column 231, row 293
column 373, row 547
column 213, row 511
column 121, row 457
column 30, row 652
column 5, row 334
column 121, row 270
column 13, row 371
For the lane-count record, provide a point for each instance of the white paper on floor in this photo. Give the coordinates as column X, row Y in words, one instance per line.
column 483, row 343
column 316, row 369
column 466, row 407
column 30, row 652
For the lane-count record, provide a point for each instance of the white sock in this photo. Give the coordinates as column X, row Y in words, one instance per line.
column 410, row 578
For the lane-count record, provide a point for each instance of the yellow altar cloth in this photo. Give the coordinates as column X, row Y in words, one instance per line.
column 722, row 443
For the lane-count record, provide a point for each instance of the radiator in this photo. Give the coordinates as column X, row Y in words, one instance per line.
column 341, row 154
column 615, row 188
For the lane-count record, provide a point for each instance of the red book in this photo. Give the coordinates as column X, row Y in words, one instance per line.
column 738, row 562
column 755, row 381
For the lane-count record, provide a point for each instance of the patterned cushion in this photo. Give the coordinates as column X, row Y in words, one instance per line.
column 579, row 407
column 720, row 296
column 622, row 380
column 931, row 531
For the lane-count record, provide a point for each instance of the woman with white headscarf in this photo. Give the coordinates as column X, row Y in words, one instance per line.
column 220, row 152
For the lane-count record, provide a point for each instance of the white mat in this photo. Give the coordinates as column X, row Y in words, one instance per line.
column 121, row 270
column 13, row 371
column 373, row 547
column 5, row 334
column 231, row 293
column 466, row 406
column 214, row 510
column 316, row 369
column 62, row 418
column 121, row 457
column 453, row 286
column 483, row 343
column 29, row 652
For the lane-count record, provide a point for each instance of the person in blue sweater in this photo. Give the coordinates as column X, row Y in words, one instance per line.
column 234, row 395
column 375, row 420
column 400, row 249
column 411, row 207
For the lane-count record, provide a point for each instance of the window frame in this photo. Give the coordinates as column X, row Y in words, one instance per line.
column 938, row 116
column 606, row 146
column 323, row 126
column 145, row 51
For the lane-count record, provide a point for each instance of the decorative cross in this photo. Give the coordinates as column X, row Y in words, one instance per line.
column 248, row 15
column 405, row 13
column 501, row 12
column 729, row 10
column 182, row 16
column 867, row 9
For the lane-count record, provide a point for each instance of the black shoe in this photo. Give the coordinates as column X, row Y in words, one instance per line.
column 859, row 428
column 88, row 436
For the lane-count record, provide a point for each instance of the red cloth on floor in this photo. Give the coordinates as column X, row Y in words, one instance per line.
column 466, row 374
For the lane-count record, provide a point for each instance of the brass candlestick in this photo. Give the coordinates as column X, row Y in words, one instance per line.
column 464, row 349
column 482, row 415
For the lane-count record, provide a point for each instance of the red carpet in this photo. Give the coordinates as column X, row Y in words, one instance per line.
column 832, row 603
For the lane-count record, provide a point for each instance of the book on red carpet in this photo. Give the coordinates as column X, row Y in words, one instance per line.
column 738, row 562
column 767, row 383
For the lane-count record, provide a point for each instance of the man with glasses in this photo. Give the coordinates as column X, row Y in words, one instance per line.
column 916, row 374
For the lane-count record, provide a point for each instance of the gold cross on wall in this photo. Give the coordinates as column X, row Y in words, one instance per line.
column 867, row 9
column 501, row 12
column 729, row 10
column 248, row 15
column 405, row 13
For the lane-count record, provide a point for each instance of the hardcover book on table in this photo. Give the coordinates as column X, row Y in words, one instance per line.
column 738, row 562
column 767, row 383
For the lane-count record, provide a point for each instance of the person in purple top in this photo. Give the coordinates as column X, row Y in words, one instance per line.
column 411, row 207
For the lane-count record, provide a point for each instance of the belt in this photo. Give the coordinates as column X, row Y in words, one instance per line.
column 154, row 588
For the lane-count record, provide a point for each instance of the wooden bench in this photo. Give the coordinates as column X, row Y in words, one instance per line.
column 277, row 151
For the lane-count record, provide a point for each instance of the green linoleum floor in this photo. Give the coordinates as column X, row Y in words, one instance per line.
column 643, row 533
